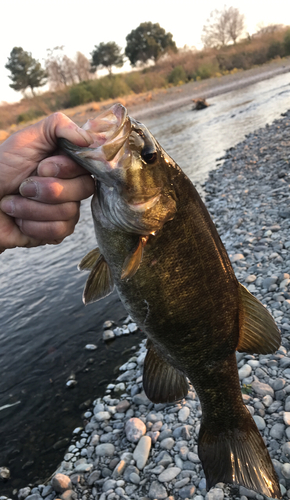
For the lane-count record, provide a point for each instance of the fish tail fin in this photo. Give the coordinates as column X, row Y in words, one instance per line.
column 238, row 456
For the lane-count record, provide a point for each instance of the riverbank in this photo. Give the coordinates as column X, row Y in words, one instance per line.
column 248, row 198
column 160, row 101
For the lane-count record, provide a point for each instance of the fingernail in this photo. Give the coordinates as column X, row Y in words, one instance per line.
column 7, row 206
column 29, row 189
column 49, row 169
column 85, row 135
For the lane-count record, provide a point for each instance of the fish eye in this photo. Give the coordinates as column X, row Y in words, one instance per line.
column 149, row 158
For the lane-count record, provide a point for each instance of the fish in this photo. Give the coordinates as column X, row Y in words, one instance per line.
column 158, row 246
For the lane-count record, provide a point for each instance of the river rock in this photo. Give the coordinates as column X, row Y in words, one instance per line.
column 262, row 389
column 134, row 429
column 168, row 474
column 157, row 491
column 60, row 483
column 105, row 450
column 142, row 451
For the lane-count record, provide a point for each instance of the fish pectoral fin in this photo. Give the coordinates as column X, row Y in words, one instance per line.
column 237, row 456
column 161, row 381
column 134, row 259
column 258, row 332
column 88, row 261
column 99, row 283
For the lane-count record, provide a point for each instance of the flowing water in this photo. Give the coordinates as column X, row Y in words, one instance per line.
column 44, row 324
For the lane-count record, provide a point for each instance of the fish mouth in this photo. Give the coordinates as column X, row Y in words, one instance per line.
column 109, row 131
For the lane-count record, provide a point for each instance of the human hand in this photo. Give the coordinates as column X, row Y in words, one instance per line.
column 40, row 194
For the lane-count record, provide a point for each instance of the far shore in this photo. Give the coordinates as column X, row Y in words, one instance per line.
column 165, row 100
column 162, row 101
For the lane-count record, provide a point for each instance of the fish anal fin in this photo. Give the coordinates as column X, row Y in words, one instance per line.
column 258, row 332
column 99, row 283
column 134, row 259
column 238, row 456
column 88, row 261
column 162, row 383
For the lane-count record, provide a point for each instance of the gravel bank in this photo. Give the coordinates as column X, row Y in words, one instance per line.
column 130, row 448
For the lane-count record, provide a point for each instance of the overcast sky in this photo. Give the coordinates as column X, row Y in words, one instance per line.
column 37, row 25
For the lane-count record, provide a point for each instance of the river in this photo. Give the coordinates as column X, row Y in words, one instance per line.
column 44, row 324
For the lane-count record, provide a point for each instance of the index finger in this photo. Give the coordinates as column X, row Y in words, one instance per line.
column 60, row 166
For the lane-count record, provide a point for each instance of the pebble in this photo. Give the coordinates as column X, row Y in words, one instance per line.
column 142, row 451
column 169, row 474
column 134, row 429
column 60, row 483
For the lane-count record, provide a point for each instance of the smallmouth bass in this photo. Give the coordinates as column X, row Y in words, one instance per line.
column 159, row 247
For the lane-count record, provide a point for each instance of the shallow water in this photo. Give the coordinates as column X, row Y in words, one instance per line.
column 44, row 325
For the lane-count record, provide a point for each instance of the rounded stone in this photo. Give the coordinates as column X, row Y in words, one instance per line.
column 285, row 470
column 183, row 414
column 134, row 429
column 286, row 417
column 167, row 444
column 142, row 451
column 260, row 422
column 169, row 474
column 109, row 485
column 105, row 450
column 60, row 483
column 215, row 494
column 262, row 389
column 102, row 415
column 187, row 491
column 157, row 491
column 277, row 431
column 245, row 371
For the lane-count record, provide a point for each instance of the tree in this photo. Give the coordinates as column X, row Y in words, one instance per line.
column 148, row 41
column 83, row 67
column 235, row 23
column 222, row 27
column 107, row 55
column 25, row 70
column 63, row 71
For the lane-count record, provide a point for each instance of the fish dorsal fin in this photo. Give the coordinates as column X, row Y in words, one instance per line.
column 88, row 261
column 161, row 381
column 258, row 332
column 133, row 260
column 99, row 283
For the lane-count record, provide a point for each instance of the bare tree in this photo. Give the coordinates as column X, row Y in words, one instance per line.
column 222, row 26
column 236, row 23
column 64, row 71
column 83, row 67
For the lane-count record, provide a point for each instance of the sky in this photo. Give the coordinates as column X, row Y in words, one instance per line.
column 38, row 25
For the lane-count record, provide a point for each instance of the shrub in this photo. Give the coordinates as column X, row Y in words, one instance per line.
column 206, row 71
column 79, row 95
column 177, row 75
column 275, row 49
column 29, row 115
column 287, row 43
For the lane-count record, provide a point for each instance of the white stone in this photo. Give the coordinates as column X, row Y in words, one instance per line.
column 245, row 371
column 142, row 451
column 183, row 414
column 169, row 474
column 135, row 429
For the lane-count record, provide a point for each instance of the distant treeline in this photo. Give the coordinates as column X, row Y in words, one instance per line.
column 172, row 69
